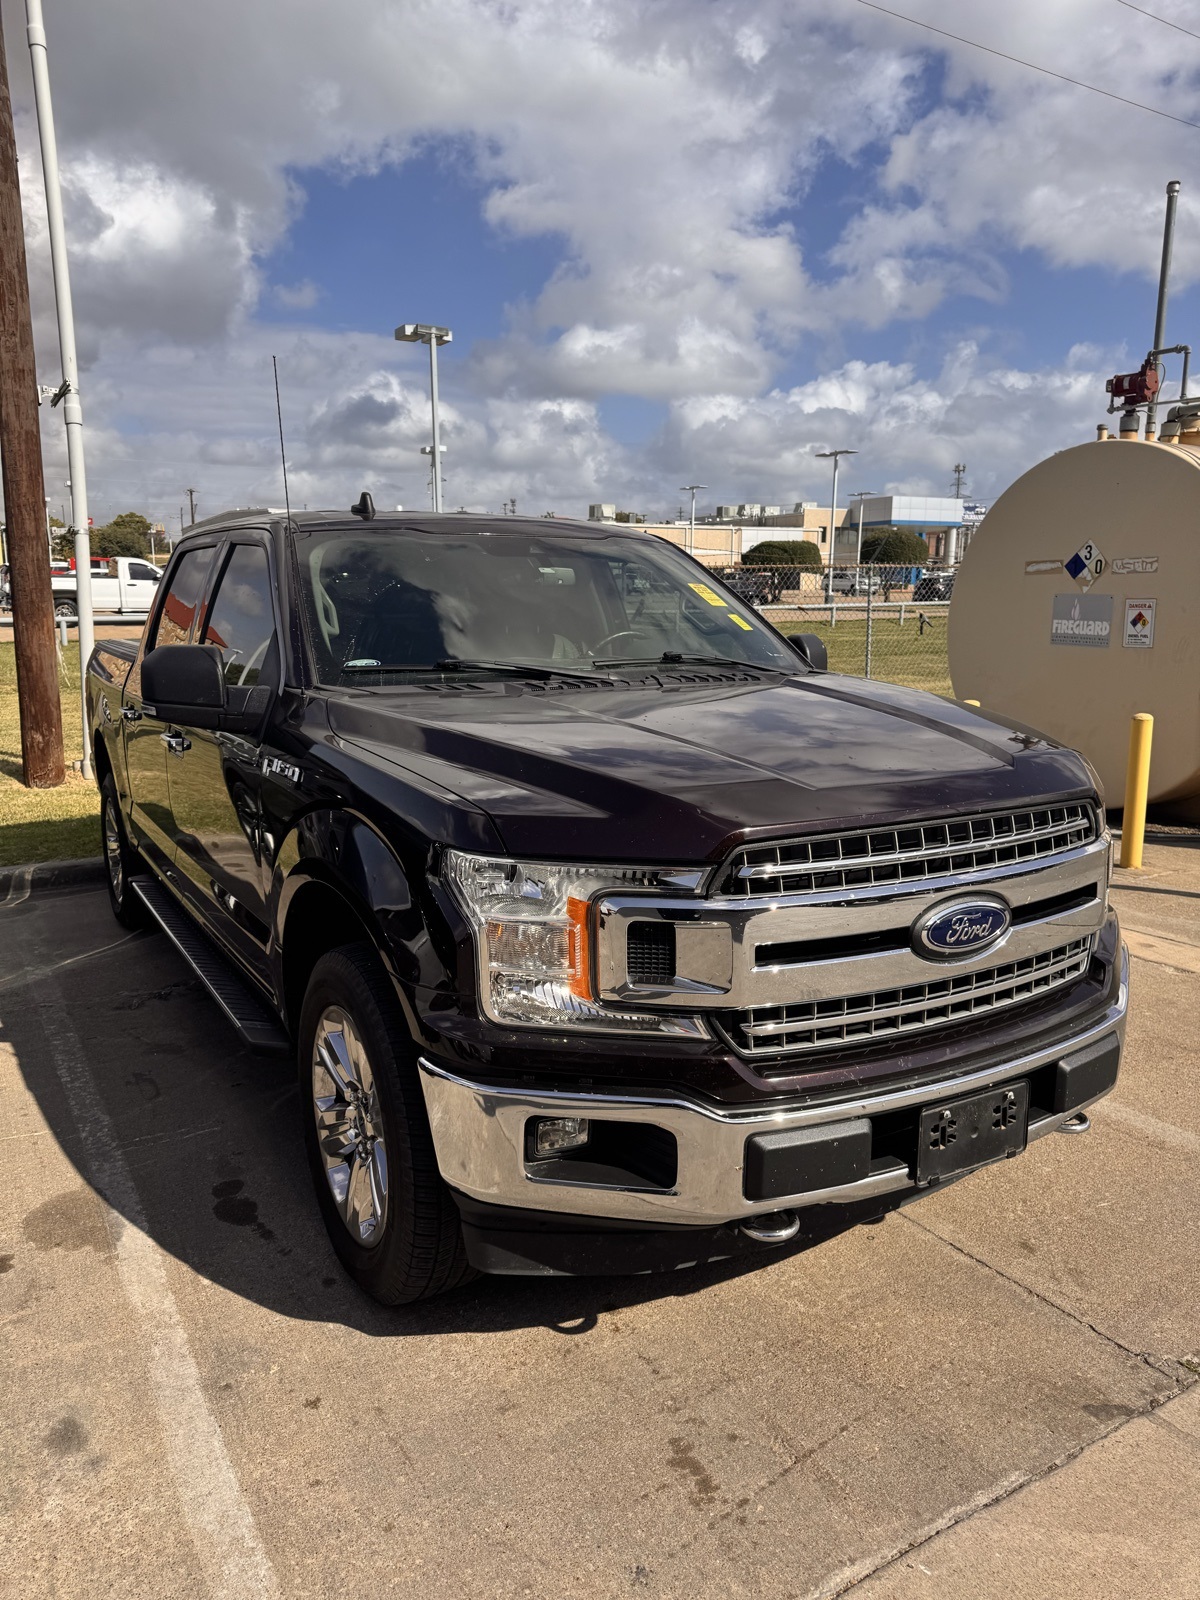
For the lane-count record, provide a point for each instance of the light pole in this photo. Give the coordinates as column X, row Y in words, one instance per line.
column 429, row 333
column 427, row 450
column 690, row 488
column 834, row 456
column 68, row 391
column 860, row 495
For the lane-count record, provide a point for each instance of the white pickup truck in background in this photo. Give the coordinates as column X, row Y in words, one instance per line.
column 128, row 587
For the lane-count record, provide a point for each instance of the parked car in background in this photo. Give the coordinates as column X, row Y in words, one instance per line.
column 855, row 580
column 934, row 586
column 129, row 586
column 761, row 586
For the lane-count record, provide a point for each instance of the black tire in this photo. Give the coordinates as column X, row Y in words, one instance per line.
column 121, row 863
column 417, row 1251
column 65, row 608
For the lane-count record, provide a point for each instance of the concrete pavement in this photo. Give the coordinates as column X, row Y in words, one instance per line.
column 990, row 1391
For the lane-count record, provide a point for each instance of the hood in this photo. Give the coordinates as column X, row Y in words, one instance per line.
column 677, row 773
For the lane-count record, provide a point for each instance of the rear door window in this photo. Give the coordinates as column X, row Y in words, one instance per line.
column 178, row 611
column 241, row 619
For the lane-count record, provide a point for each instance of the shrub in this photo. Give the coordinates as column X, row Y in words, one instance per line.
column 783, row 553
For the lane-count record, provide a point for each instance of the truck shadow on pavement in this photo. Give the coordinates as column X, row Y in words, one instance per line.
column 210, row 1137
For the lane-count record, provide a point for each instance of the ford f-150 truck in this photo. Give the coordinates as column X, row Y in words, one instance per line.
column 609, row 930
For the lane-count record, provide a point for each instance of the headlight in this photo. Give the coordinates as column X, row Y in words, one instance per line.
column 533, row 933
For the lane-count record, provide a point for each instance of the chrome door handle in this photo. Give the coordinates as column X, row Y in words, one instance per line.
column 131, row 714
column 175, row 743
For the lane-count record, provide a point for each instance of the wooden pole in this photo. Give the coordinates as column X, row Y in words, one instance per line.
column 24, row 492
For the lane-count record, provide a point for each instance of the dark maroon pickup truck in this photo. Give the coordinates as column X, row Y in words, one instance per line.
column 610, row 931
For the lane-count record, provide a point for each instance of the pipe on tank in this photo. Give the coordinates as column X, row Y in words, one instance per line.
column 1164, row 274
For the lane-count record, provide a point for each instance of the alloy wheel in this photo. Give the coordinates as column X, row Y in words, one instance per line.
column 112, row 851
column 349, row 1126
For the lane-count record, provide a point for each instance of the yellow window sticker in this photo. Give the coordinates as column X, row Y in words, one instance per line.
column 741, row 621
column 711, row 595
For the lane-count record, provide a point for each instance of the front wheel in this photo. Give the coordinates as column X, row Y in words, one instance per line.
column 120, row 863
column 388, row 1212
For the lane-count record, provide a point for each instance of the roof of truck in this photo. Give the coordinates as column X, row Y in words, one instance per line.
column 409, row 521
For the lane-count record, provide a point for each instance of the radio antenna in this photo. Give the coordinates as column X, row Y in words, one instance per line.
column 282, row 452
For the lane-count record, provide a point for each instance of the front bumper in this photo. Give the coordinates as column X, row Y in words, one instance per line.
column 479, row 1134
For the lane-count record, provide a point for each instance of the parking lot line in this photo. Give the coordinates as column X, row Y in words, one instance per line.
column 211, row 1500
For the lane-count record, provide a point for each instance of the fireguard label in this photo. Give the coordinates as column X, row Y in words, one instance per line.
column 1082, row 619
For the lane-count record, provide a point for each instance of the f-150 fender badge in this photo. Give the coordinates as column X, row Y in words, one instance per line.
column 276, row 768
column 962, row 927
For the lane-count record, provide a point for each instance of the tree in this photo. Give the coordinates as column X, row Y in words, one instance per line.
column 126, row 535
column 897, row 546
column 783, row 553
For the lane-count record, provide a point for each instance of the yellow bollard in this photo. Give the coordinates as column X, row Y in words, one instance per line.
column 1137, row 786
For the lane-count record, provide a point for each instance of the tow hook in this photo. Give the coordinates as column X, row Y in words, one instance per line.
column 776, row 1227
column 1079, row 1123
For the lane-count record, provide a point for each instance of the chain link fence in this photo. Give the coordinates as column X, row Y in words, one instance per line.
column 881, row 622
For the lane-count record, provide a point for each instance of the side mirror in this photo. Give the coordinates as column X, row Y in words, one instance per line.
column 812, row 648
column 185, row 683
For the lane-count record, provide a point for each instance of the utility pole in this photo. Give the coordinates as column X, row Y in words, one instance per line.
column 68, row 390
column 960, row 469
column 191, row 494
column 24, row 486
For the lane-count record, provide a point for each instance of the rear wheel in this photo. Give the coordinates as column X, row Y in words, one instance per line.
column 65, row 608
column 389, row 1215
column 120, row 862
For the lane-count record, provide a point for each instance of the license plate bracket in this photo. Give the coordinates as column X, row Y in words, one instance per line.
column 957, row 1136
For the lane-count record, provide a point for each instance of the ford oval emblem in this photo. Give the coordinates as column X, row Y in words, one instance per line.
column 962, row 927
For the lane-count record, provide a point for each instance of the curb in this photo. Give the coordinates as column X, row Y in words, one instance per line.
column 52, row 874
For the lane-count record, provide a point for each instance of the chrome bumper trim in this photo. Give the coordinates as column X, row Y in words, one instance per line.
column 479, row 1137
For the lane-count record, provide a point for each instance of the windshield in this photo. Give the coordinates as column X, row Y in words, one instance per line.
column 413, row 601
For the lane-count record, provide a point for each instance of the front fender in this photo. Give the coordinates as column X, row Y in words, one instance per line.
column 345, row 853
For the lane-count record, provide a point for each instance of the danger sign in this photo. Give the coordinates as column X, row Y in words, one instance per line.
column 1138, row 633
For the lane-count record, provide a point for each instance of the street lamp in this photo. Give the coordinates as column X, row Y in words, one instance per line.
column 429, row 333
column 427, row 450
column 834, row 456
column 860, row 495
column 690, row 488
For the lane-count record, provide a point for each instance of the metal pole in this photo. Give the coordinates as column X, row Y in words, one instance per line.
column 433, row 402
column 858, row 546
column 869, row 589
column 832, row 522
column 692, row 527
column 39, row 709
column 1164, row 274
column 72, row 409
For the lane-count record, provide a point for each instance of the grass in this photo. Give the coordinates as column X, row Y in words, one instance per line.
column 44, row 824
column 899, row 654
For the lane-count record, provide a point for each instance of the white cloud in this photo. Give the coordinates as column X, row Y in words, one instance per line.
column 670, row 149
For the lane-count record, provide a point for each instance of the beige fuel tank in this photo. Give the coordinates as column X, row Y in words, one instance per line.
column 1078, row 603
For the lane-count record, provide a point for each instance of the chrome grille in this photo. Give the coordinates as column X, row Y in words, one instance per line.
column 862, row 1018
column 912, row 853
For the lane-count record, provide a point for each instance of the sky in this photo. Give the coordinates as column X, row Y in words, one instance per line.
column 677, row 241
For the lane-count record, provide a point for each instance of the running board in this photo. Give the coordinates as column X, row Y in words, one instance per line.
column 252, row 1019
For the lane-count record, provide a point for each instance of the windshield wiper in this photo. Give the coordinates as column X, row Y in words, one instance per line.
column 672, row 658
column 453, row 664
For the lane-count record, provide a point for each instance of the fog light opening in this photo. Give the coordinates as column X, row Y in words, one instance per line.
column 552, row 1135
